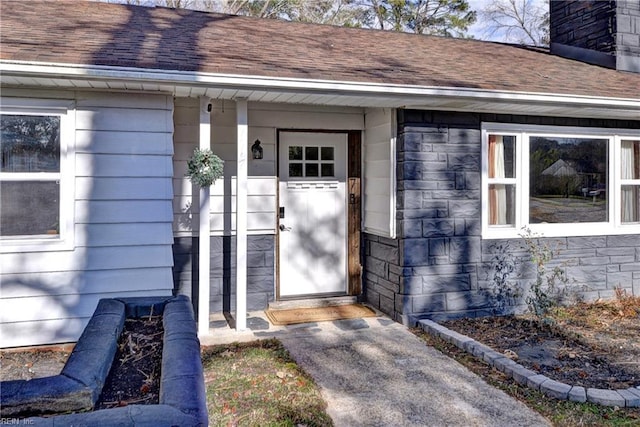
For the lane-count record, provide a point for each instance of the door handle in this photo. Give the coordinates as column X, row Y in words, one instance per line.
column 284, row 228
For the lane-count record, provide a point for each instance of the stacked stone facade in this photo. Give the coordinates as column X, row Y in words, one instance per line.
column 439, row 266
column 584, row 24
column 603, row 32
column 260, row 271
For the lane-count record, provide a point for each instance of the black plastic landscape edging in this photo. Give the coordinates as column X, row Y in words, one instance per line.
column 629, row 397
column 182, row 393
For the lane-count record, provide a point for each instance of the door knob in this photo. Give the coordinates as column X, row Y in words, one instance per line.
column 284, row 228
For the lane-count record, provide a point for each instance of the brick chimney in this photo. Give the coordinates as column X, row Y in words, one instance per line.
column 601, row 32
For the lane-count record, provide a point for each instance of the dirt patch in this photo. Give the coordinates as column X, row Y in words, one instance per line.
column 590, row 345
column 134, row 377
column 33, row 362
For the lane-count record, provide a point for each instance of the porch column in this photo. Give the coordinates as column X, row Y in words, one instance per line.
column 241, row 214
column 204, row 232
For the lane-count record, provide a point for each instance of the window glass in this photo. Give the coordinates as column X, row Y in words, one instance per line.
column 630, row 198
column 311, row 153
column 326, row 153
column 502, row 156
column 327, row 169
column 311, row 169
column 30, row 143
column 502, row 204
column 295, row 169
column 630, row 160
column 295, row 153
column 29, row 175
column 630, row 170
column 568, row 180
column 29, row 208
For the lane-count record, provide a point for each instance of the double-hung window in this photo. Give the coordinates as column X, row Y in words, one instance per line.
column 36, row 174
column 559, row 181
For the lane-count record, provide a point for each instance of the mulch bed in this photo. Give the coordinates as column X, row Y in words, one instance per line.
column 556, row 351
column 134, row 377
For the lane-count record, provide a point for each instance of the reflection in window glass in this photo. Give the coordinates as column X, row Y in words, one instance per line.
column 311, row 153
column 29, row 208
column 311, row 169
column 30, row 143
column 327, row 169
column 326, row 153
column 295, row 153
column 295, row 169
column 568, row 180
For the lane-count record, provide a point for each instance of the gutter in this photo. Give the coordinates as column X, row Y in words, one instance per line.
column 259, row 83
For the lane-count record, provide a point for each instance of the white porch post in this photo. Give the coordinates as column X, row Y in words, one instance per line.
column 241, row 214
column 204, row 228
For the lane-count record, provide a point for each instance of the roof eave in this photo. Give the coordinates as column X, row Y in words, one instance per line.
column 363, row 94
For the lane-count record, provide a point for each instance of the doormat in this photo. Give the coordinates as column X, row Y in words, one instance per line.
column 318, row 314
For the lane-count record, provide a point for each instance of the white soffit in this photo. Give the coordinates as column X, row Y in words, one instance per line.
column 314, row 92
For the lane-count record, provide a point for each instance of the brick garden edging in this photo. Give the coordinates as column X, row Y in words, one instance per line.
column 629, row 397
column 78, row 387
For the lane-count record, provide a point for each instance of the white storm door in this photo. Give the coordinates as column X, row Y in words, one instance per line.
column 313, row 213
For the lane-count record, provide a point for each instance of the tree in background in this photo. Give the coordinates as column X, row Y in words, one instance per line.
column 450, row 18
column 332, row 12
column 520, row 21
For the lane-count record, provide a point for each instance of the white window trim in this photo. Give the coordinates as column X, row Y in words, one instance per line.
column 65, row 240
column 522, row 132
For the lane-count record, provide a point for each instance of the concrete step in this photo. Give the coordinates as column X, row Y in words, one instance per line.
column 312, row 302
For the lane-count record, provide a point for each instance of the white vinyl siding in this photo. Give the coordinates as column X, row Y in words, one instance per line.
column 122, row 210
column 379, row 172
column 264, row 121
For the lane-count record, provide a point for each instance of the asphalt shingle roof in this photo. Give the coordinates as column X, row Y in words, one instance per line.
column 91, row 33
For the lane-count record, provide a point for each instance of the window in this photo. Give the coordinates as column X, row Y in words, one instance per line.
column 559, row 181
column 630, row 181
column 311, row 162
column 35, row 140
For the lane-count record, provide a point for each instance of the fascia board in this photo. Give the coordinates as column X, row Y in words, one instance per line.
column 377, row 90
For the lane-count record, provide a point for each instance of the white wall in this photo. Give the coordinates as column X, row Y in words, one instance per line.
column 264, row 120
column 122, row 213
column 379, row 172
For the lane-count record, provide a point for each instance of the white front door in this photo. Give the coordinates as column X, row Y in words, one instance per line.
column 313, row 213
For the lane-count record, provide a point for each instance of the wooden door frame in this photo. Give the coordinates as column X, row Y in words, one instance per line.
column 354, row 207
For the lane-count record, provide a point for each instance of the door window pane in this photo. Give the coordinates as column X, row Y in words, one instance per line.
column 327, row 169
column 295, row 153
column 311, row 153
column 295, row 169
column 30, row 143
column 326, row 153
column 311, row 169
column 29, row 208
column 568, row 180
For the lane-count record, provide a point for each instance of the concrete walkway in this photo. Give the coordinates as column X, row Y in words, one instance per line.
column 375, row 372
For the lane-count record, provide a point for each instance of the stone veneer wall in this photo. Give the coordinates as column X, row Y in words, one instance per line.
column 585, row 24
column 260, row 271
column 611, row 28
column 439, row 265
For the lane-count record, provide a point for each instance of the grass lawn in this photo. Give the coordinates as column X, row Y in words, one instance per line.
column 258, row 384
